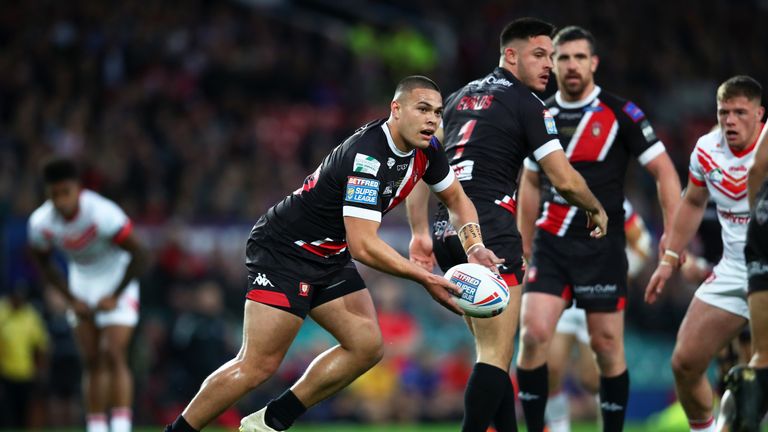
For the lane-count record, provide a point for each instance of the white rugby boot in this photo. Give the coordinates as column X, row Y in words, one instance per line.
column 255, row 422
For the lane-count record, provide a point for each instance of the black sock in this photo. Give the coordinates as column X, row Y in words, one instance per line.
column 180, row 425
column 485, row 391
column 534, row 391
column 505, row 419
column 614, row 393
column 283, row 411
column 762, row 379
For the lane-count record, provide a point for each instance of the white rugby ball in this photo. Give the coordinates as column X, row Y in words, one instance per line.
column 483, row 293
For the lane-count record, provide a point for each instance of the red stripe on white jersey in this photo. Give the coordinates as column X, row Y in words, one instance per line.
column 556, row 218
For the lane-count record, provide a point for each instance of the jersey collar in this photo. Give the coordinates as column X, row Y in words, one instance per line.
column 391, row 142
column 578, row 104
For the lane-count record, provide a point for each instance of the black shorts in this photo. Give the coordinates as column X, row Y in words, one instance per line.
column 284, row 281
column 591, row 272
column 500, row 235
column 756, row 249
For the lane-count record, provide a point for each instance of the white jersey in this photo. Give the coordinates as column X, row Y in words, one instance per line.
column 724, row 173
column 89, row 240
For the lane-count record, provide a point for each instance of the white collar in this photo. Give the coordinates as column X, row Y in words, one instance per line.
column 391, row 142
column 579, row 103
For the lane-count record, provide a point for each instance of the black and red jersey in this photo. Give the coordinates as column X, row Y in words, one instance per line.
column 365, row 177
column 599, row 133
column 491, row 125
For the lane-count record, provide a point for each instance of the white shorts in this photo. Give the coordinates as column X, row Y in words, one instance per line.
column 126, row 313
column 573, row 321
column 726, row 287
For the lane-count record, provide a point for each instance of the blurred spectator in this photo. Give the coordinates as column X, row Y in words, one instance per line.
column 23, row 345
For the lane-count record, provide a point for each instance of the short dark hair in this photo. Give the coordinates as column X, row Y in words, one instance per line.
column 413, row 82
column 574, row 33
column 59, row 169
column 524, row 28
column 740, row 85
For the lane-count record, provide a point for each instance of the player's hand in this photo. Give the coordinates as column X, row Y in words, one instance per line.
column 443, row 292
column 107, row 303
column 485, row 257
column 82, row 310
column 663, row 247
column 658, row 281
column 598, row 220
column 420, row 252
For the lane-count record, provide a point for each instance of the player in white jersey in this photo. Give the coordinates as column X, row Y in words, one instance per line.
column 104, row 259
column 571, row 332
column 718, row 312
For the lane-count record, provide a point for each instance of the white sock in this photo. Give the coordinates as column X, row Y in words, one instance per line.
column 702, row 425
column 558, row 413
column 120, row 420
column 96, row 422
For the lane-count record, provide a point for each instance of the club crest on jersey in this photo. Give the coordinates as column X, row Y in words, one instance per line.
column 549, row 123
column 633, row 111
column 366, row 164
column 362, row 191
column 597, row 128
column 390, row 163
column 716, row 175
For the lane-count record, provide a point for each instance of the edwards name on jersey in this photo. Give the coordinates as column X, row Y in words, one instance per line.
column 491, row 125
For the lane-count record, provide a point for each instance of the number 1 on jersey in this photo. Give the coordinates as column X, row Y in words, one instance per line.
column 465, row 133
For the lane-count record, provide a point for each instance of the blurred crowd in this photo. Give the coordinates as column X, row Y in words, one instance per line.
column 196, row 118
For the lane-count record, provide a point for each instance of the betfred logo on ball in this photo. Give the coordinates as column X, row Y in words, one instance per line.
column 483, row 292
column 468, row 285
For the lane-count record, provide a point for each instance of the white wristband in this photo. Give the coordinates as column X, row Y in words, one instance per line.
column 672, row 253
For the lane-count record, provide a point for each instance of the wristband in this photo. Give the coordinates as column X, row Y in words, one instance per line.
column 672, row 253
column 665, row 263
column 469, row 235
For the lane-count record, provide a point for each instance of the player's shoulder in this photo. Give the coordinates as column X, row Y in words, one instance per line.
column 92, row 199
column 42, row 215
column 622, row 107
column 709, row 141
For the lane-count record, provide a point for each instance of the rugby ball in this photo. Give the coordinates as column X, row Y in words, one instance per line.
column 483, row 293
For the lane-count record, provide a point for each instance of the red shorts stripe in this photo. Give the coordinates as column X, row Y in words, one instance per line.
column 268, row 297
column 510, row 279
column 621, row 304
column 567, row 293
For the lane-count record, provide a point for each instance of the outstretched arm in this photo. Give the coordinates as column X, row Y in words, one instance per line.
column 366, row 246
column 685, row 222
column 463, row 216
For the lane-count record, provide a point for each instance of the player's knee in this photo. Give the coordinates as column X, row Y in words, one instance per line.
column 370, row 345
column 114, row 357
column 686, row 366
column 534, row 335
column 604, row 345
column 256, row 370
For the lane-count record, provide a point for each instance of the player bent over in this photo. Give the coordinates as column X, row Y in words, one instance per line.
column 104, row 259
column 299, row 258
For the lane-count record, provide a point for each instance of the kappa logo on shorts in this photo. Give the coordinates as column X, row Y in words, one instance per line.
column 304, row 289
column 532, row 272
column 261, row 280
